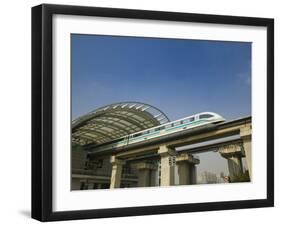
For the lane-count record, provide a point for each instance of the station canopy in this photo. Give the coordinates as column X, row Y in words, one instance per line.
column 114, row 121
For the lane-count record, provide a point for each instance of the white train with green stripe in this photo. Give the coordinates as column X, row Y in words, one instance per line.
column 183, row 124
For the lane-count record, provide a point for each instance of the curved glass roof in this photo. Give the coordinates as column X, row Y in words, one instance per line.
column 115, row 120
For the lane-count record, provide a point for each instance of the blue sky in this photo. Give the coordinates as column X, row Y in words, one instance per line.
column 180, row 77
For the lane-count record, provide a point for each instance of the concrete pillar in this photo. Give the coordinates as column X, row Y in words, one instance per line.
column 246, row 136
column 143, row 178
column 116, row 173
column 193, row 170
column 184, row 173
column 154, row 176
column 167, row 167
column 186, row 168
column 233, row 153
column 145, row 175
column 234, row 166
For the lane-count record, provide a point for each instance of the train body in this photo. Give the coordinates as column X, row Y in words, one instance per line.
column 183, row 124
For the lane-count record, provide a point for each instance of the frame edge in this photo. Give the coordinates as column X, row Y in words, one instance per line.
column 41, row 179
column 36, row 68
column 42, row 117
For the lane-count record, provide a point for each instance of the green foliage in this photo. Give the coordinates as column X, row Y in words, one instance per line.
column 245, row 177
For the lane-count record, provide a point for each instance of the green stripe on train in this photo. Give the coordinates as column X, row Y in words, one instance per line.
column 169, row 129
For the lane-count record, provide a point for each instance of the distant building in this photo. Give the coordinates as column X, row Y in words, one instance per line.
column 210, row 178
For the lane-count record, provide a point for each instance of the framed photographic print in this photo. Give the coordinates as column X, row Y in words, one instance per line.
column 145, row 112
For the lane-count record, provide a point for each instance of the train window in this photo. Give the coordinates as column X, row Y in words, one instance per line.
column 120, row 139
column 177, row 123
column 159, row 128
column 205, row 116
column 136, row 135
column 168, row 126
column 188, row 120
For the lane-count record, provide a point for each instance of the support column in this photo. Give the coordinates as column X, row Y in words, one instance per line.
column 186, row 168
column 116, row 173
column 246, row 136
column 194, row 173
column 154, row 176
column 145, row 174
column 234, row 166
column 233, row 153
column 167, row 167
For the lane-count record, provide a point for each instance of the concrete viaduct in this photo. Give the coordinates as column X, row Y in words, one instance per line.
column 232, row 139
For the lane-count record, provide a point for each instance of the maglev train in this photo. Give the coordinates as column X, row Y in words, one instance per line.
column 183, row 124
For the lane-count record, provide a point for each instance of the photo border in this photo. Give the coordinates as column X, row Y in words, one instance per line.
column 42, row 108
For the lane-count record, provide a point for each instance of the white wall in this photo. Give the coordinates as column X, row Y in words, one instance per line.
column 15, row 111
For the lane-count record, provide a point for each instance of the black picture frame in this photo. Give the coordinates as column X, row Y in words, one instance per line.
column 42, row 106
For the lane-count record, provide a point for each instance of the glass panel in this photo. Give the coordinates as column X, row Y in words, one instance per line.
column 188, row 120
column 136, row 135
column 205, row 116
column 168, row 126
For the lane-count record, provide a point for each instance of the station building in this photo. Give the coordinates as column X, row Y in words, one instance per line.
column 90, row 171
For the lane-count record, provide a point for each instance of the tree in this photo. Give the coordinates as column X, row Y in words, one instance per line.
column 245, row 177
